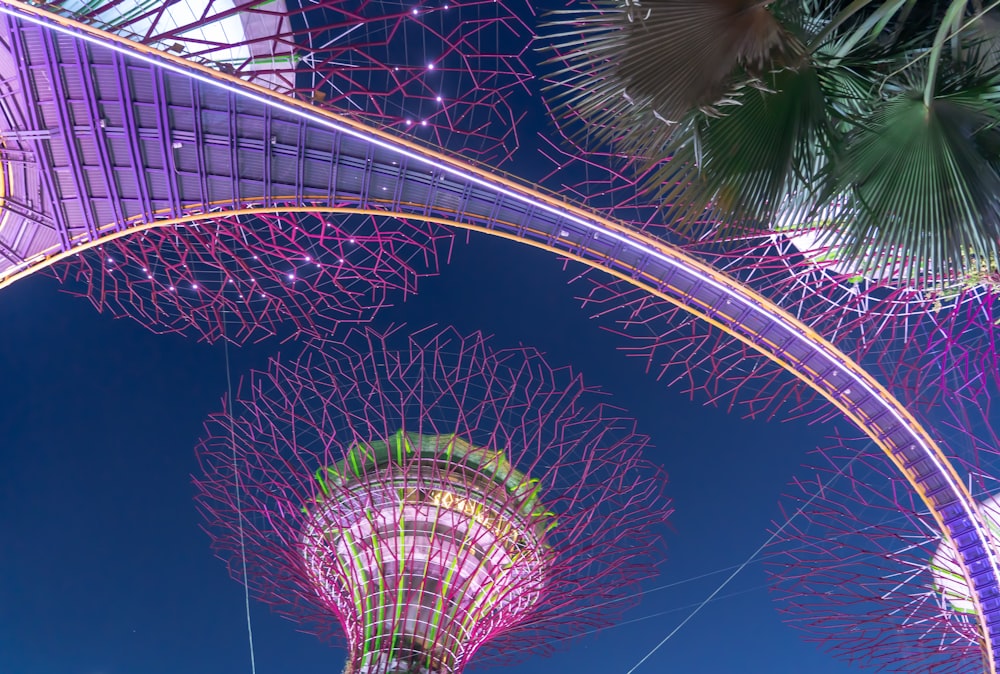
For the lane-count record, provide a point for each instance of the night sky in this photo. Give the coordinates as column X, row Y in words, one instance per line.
column 104, row 567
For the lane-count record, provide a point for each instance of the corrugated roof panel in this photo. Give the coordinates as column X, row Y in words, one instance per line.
column 218, row 160
column 118, row 150
column 104, row 213
column 65, row 184
column 250, row 127
column 74, row 213
column 72, row 83
column 112, row 114
column 79, row 113
column 104, row 82
column 181, row 119
column 152, row 153
column 157, row 182
column 147, row 116
column 219, row 189
column 140, row 84
column 87, row 150
column 96, row 183
column 179, row 91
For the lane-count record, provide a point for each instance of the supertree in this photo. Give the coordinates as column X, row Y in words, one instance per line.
column 922, row 333
column 449, row 74
column 860, row 565
column 430, row 500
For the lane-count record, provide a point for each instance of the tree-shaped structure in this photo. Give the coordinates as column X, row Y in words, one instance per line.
column 432, row 500
column 862, row 568
column 450, row 73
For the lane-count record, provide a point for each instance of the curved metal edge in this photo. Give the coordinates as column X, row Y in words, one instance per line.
column 985, row 562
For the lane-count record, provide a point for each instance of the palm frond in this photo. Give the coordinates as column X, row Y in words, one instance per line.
column 922, row 188
column 681, row 55
column 659, row 58
column 884, row 130
column 765, row 156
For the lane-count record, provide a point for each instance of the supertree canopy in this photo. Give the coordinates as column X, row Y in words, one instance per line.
column 430, row 498
column 857, row 247
column 861, row 566
column 448, row 74
column 246, row 277
column 921, row 345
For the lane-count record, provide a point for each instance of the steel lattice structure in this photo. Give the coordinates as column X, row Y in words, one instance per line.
column 923, row 340
column 924, row 354
column 245, row 277
column 199, row 140
column 703, row 360
column 431, row 498
column 449, row 74
column 863, row 569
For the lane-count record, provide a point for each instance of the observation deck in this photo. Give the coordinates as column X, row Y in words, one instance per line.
column 102, row 137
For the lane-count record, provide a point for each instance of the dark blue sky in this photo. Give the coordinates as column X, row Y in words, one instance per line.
column 103, row 567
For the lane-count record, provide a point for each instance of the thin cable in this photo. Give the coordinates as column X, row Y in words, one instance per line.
column 641, row 593
column 658, row 614
column 716, row 572
column 236, row 480
column 745, row 563
column 605, row 628
column 753, row 557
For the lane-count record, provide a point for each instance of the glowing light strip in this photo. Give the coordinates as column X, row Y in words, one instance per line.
column 746, row 297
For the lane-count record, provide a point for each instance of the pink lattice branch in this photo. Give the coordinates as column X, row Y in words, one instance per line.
column 450, row 73
column 921, row 340
column 244, row 278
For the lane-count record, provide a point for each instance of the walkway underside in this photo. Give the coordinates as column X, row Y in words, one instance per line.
column 101, row 135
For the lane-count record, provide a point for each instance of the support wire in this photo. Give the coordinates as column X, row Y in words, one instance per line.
column 746, row 562
column 236, row 480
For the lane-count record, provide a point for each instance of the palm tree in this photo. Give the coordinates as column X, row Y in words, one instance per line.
column 874, row 122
